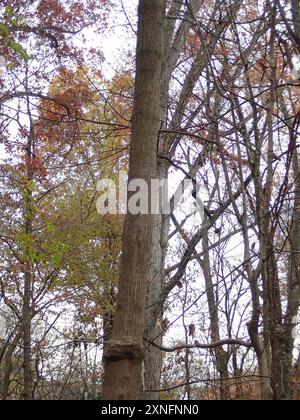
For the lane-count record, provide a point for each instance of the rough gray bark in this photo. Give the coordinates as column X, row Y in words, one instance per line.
column 125, row 353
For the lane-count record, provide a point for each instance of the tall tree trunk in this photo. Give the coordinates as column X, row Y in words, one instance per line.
column 125, row 353
column 173, row 44
column 153, row 331
column 107, row 321
column 286, row 342
column 173, row 41
column 27, row 309
column 220, row 354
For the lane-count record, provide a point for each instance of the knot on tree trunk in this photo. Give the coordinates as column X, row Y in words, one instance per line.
column 117, row 351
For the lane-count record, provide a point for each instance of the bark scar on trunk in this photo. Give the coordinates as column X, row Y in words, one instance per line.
column 119, row 351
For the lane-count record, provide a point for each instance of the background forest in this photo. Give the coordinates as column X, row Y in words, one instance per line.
column 221, row 314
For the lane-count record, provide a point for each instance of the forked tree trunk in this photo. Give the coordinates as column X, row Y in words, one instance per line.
column 125, row 353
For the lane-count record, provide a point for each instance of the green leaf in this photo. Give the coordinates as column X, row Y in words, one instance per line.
column 14, row 23
column 31, row 186
column 50, row 227
column 42, row 257
column 9, row 11
column 56, row 261
column 25, row 56
column 4, row 31
column 19, row 49
column 16, row 47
